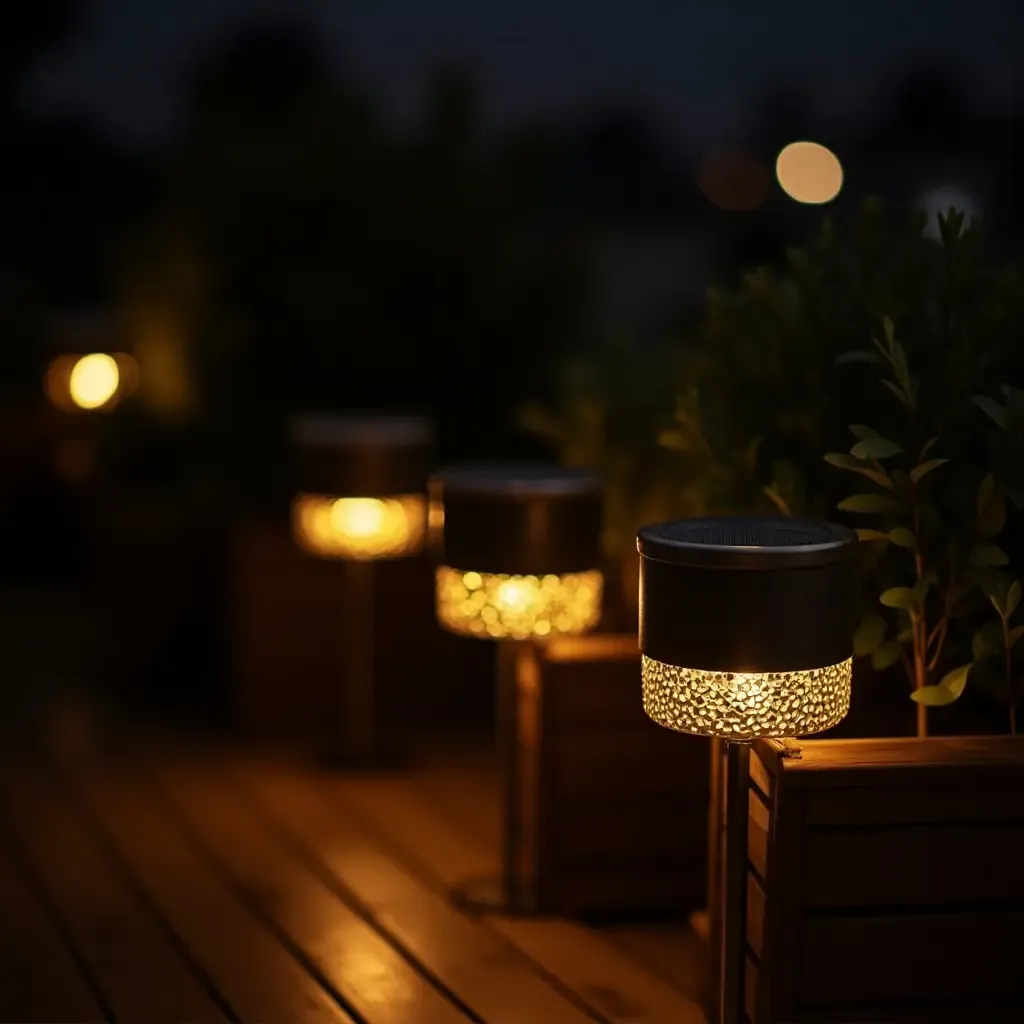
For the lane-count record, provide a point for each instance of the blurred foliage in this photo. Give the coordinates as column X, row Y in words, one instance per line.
column 309, row 257
column 609, row 403
column 932, row 542
column 933, row 564
column 775, row 372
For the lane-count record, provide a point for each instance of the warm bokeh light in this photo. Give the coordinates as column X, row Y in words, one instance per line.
column 733, row 180
column 809, row 172
column 94, row 381
column 745, row 705
column 360, row 528
column 518, row 607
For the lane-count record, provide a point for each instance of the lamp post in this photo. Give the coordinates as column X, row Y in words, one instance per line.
column 519, row 551
column 360, row 498
column 746, row 631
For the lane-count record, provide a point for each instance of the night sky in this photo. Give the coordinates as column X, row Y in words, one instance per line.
column 697, row 64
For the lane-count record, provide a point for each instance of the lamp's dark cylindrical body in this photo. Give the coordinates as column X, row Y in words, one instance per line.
column 747, row 594
column 358, row 457
column 519, row 519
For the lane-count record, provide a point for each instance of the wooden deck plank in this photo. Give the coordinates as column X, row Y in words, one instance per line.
column 615, row 986
column 40, row 980
column 464, row 815
column 138, row 965
column 256, row 974
column 487, row 973
column 371, row 975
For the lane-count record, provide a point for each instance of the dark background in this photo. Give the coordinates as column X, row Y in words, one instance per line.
column 281, row 207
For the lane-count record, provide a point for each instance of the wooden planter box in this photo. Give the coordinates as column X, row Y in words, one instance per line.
column 610, row 812
column 885, row 881
column 287, row 643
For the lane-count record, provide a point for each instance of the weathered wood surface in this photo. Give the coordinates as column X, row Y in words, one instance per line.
column 867, row 858
column 612, row 811
column 142, row 881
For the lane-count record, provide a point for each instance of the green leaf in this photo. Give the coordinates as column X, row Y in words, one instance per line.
column 885, row 655
column 991, row 508
column 1015, row 634
column 866, row 503
column 777, row 500
column 875, row 448
column 869, row 636
column 890, row 330
column 861, row 432
column 926, row 467
column 928, row 445
column 991, row 408
column 903, row 538
column 997, row 604
column 1012, row 598
column 841, row 461
column 987, row 555
column 932, row 696
column 955, row 681
column 897, row 391
column 870, row 535
column 898, row 597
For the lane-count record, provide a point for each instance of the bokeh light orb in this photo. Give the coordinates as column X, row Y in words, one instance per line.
column 360, row 528
column 94, row 380
column 809, row 173
column 85, row 383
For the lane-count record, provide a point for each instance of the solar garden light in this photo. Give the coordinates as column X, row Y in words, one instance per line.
column 519, row 551
column 360, row 484
column 746, row 631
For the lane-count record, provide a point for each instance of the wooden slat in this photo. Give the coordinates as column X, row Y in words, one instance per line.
column 488, row 975
column 140, row 968
column 40, row 981
column 882, row 959
column 911, row 866
column 355, row 958
column 674, row 953
column 256, row 974
column 755, row 914
column 913, row 805
column 757, row 834
column 583, row 960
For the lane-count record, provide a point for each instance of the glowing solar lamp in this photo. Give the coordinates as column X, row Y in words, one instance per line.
column 746, row 631
column 360, row 498
column 91, row 382
column 519, row 552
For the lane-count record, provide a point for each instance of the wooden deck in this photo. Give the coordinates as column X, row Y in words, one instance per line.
column 164, row 885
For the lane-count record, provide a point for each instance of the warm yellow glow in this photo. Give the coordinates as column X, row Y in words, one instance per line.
column 359, row 528
column 517, row 607
column 94, row 380
column 745, row 705
column 435, row 520
column 809, row 172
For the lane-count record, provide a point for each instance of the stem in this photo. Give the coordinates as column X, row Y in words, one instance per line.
column 920, row 627
column 1009, row 675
